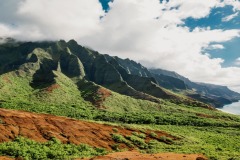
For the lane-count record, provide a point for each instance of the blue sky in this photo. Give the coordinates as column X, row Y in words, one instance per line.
column 105, row 4
column 231, row 50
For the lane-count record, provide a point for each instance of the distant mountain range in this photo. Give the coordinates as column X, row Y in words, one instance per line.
column 44, row 62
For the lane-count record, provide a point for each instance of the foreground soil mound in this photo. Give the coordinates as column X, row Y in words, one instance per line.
column 5, row 158
column 42, row 127
column 134, row 155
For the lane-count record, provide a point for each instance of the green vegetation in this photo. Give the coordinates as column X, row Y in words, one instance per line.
column 214, row 142
column 53, row 149
column 131, row 140
column 138, row 141
column 1, row 121
column 153, row 135
column 140, row 135
column 166, row 139
column 115, row 130
column 121, row 139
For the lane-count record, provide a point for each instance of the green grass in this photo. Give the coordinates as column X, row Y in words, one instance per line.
column 165, row 139
column 53, row 149
column 121, row 139
column 214, row 142
column 140, row 135
column 137, row 141
column 115, row 130
column 120, row 103
column 153, row 135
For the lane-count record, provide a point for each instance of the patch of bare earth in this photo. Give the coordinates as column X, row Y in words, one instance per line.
column 6, row 158
column 42, row 127
column 102, row 94
column 52, row 87
column 6, row 79
column 134, row 155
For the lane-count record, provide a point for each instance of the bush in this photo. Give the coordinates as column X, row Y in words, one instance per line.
column 120, row 139
column 153, row 135
column 166, row 139
column 115, row 130
column 53, row 149
column 137, row 141
column 140, row 135
column 1, row 121
column 115, row 147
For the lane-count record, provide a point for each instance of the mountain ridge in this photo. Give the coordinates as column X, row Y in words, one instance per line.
column 124, row 76
column 216, row 95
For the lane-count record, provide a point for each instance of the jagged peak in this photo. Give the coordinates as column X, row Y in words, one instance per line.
column 72, row 42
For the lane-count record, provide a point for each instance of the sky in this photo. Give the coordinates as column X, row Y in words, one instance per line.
column 199, row 39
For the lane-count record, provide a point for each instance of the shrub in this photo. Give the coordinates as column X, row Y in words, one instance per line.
column 1, row 121
column 140, row 135
column 115, row 130
column 53, row 149
column 166, row 139
column 115, row 147
column 153, row 135
column 137, row 141
column 120, row 139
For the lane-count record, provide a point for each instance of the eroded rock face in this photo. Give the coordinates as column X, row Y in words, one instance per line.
column 104, row 73
column 71, row 65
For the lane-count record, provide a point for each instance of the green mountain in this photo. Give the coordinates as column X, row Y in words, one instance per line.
column 46, row 63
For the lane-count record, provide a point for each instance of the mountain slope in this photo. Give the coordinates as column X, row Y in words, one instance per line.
column 45, row 62
column 215, row 95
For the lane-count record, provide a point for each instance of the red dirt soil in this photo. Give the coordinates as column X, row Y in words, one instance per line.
column 42, row 127
column 6, row 79
column 52, row 87
column 5, row 158
column 134, row 155
column 103, row 94
column 205, row 116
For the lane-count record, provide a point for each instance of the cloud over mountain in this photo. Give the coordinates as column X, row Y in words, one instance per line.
column 144, row 30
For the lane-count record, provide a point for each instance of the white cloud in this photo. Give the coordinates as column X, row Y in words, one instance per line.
column 6, row 31
column 230, row 17
column 234, row 3
column 161, row 43
column 143, row 30
column 184, row 9
column 216, row 46
column 237, row 61
column 51, row 19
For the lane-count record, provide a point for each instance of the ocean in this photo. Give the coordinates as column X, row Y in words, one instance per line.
column 233, row 108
